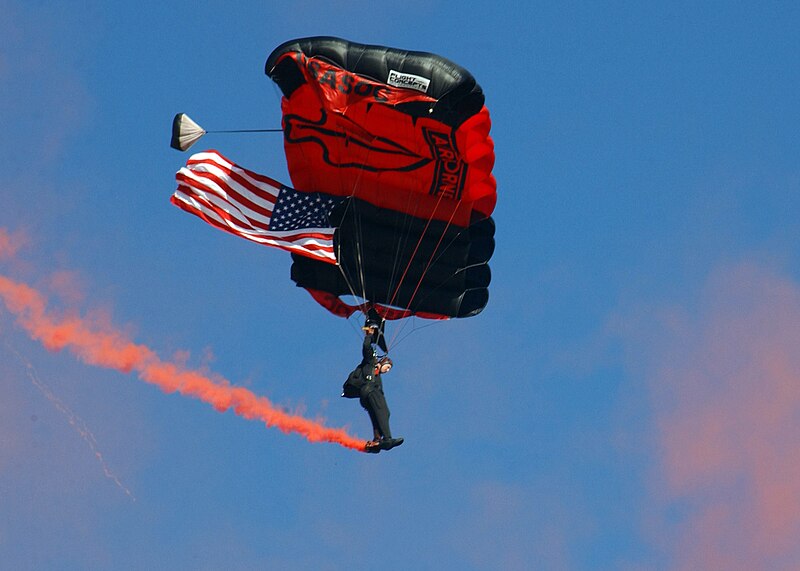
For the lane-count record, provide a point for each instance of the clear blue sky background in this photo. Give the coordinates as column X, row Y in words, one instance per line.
column 629, row 399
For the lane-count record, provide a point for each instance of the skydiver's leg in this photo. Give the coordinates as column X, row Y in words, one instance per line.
column 379, row 411
column 376, row 432
column 375, row 404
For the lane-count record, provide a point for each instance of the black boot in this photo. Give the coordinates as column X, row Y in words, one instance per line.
column 389, row 443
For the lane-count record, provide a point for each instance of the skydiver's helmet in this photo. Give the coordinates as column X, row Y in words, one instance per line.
column 385, row 360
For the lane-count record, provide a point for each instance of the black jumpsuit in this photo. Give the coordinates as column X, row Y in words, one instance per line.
column 370, row 387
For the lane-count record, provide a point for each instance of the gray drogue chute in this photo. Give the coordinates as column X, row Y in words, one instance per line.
column 186, row 132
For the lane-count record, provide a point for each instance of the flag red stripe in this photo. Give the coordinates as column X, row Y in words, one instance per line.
column 266, row 192
column 261, row 196
column 217, row 158
column 233, row 222
column 191, row 187
column 209, row 180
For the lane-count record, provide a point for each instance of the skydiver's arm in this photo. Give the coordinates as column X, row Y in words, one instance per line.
column 368, row 354
column 366, row 349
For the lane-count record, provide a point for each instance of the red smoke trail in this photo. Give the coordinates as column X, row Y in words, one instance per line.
column 105, row 347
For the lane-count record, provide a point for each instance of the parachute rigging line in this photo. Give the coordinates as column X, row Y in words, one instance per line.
column 427, row 266
column 404, row 235
column 416, row 248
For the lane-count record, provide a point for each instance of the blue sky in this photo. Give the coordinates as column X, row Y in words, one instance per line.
column 628, row 399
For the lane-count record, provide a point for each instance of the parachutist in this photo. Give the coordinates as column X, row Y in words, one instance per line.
column 365, row 383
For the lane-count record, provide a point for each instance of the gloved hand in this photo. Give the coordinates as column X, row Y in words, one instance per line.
column 373, row 320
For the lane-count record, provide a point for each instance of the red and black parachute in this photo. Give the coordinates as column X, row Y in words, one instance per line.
column 403, row 136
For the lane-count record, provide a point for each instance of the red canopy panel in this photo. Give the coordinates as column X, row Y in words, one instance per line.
column 402, row 130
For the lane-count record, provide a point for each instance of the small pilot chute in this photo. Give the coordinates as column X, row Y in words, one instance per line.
column 185, row 132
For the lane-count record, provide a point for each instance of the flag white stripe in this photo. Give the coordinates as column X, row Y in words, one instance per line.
column 212, row 157
column 247, row 189
column 211, row 204
column 218, row 195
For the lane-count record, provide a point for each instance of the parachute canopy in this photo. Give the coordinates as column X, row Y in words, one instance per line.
column 403, row 135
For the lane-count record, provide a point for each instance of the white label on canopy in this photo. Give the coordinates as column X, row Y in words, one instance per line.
column 408, row 80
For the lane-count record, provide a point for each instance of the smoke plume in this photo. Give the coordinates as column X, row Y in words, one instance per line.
column 101, row 345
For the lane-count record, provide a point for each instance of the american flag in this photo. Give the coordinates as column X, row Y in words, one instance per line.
column 256, row 207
